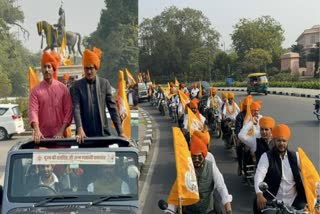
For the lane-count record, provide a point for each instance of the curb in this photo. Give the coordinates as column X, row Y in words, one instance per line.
column 147, row 139
column 273, row 92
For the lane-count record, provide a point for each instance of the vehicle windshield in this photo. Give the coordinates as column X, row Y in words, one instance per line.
column 87, row 175
column 263, row 79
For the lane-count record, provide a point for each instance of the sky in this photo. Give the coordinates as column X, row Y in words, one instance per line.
column 294, row 15
column 82, row 16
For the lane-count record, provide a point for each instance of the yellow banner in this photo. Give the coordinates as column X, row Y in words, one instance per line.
column 130, row 78
column 33, row 79
column 310, row 176
column 176, row 82
column 184, row 100
column 194, row 123
column 185, row 186
column 200, row 89
column 123, row 106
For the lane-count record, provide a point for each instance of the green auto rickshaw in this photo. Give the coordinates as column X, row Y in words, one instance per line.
column 257, row 82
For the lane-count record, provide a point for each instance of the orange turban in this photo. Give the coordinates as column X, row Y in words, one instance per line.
column 198, row 146
column 256, row 105
column 51, row 57
column 214, row 90
column 267, row 122
column 281, row 130
column 224, row 95
column 193, row 104
column 91, row 57
column 194, row 85
column 230, row 95
column 66, row 76
column 204, row 136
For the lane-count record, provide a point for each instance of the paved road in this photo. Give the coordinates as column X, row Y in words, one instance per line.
column 295, row 111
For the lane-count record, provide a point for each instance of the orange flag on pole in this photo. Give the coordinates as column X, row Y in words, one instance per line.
column 194, row 123
column 130, row 78
column 184, row 100
column 176, row 82
column 123, row 105
column 310, row 176
column 185, row 189
column 200, row 89
column 33, row 79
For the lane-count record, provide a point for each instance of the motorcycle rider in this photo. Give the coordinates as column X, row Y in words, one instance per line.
column 208, row 178
column 229, row 114
column 260, row 142
column 194, row 91
column 280, row 169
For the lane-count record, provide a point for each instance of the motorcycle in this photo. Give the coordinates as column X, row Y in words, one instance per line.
column 213, row 120
column 174, row 116
column 277, row 206
column 316, row 107
column 163, row 205
column 230, row 138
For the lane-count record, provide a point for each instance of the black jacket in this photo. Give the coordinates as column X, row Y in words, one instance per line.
column 81, row 105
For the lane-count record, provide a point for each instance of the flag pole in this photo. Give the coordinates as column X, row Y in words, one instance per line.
column 180, row 204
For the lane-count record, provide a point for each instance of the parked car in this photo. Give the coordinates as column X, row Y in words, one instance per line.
column 11, row 121
column 99, row 176
column 142, row 91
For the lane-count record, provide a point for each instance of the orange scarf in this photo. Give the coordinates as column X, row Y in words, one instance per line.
column 233, row 108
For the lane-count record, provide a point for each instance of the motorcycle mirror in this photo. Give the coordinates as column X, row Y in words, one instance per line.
column 263, row 186
column 162, row 204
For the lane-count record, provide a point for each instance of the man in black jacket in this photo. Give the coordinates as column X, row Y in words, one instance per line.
column 280, row 169
column 91, row 95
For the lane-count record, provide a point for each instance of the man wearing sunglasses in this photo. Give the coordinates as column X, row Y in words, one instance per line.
column 90, row 96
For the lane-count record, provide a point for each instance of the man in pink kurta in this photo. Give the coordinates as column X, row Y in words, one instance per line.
column 50, row 103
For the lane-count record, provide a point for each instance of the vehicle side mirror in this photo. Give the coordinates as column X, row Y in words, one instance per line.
column 162, row 204
column 263, row 186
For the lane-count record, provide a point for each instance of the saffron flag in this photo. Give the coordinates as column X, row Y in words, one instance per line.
column 185, row 186
column 248, row 101
column 310, row 176
column 148, row 76
column 200, row 89
column 176, row 82
column 123, row 106
column 33, row 79
column 130, row 78
column 63, row 44
column 184, row 100
column 194, row 123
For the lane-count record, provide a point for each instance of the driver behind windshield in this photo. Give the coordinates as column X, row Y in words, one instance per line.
column 108, row 182
column 48, row 177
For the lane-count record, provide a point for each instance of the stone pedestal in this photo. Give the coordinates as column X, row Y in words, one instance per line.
column 290, row 61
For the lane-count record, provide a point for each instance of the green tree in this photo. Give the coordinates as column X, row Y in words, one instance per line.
column 257, row 59
column 117, row 37
column 14, row 58
column 177, row 43
column 5, row 84
column 261, row 33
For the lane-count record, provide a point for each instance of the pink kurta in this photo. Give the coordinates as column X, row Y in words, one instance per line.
column 50, row 106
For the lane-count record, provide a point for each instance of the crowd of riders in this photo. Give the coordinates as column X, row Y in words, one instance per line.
column 260, row 145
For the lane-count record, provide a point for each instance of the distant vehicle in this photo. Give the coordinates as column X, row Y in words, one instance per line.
column 11, row 121
column 257, row 82
column 142, row 91
column 99, row 177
